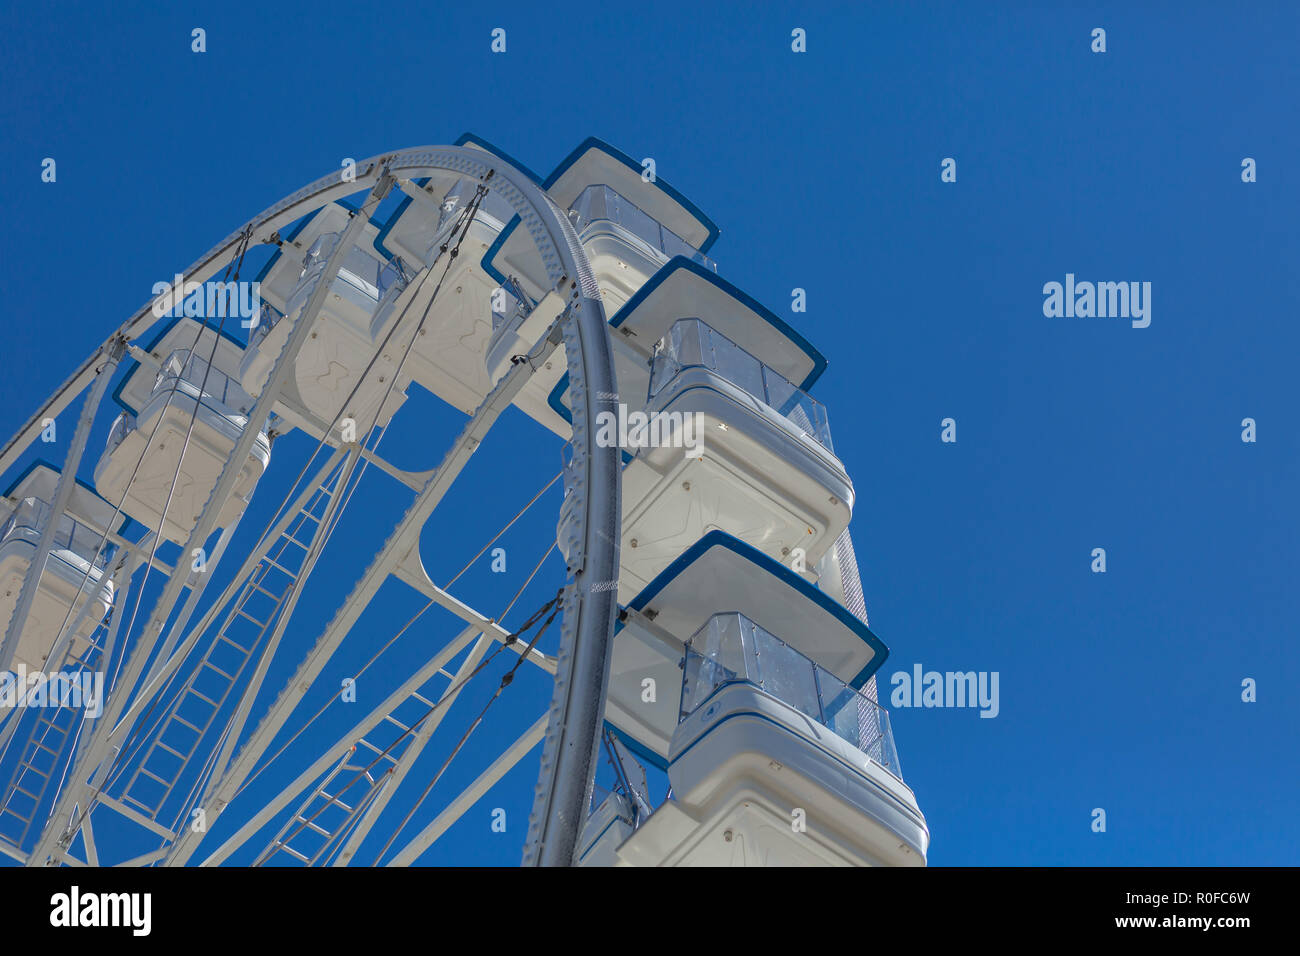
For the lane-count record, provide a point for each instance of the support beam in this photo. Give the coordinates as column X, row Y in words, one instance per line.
column 81, row 792
column 235, row 728
column 55, row 406
column 334, row 753
column 88, row 837
column 135, row 816
column 414, row 480
column 431, row 204
column 408, row 854
column 405, row 537
column 413, row 750
column 264, row 226
column 60, row 649
column 590, row 600
column 11, row 851
column 178, row 627
column 589, row 606
column 163, row 668
column 420, row 581
column 62, row 494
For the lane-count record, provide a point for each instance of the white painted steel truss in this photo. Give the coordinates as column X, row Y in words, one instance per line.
column 107, row 773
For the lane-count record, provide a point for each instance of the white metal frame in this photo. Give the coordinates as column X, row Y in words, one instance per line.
column 589, row 598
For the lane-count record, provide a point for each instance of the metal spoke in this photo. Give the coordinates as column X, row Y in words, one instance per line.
column 114, row 750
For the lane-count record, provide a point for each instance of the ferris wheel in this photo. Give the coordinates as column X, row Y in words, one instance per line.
column 171, row 668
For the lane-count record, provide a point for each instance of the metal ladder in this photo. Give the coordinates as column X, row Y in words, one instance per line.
column 325, row 817
column 46, row 750
column 194, row 710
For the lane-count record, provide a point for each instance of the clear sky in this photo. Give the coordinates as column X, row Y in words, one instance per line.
column 1120, row 691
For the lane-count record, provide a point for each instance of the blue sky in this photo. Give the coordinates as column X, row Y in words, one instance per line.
column 1119, row 690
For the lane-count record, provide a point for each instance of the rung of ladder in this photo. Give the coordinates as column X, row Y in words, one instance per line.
column 281, row 568
column 369, row 746
column 311, row 825
column 185, row 723
column 292, row 852
column 334, row 800
column 213, row 667
column 171, row 750
column 127, row 798
column 239, row 647
column 273, row 597
column 203, row 697
column 242, row 613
